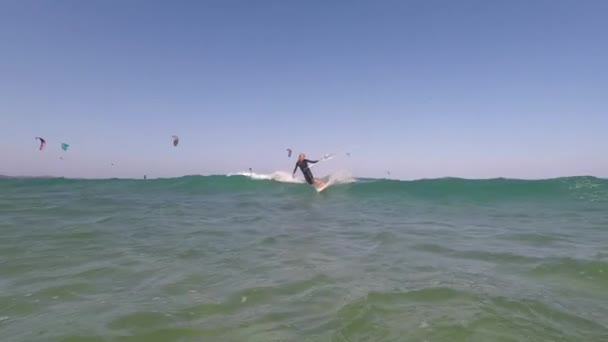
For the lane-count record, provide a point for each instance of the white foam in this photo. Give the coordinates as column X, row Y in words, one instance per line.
column 340, row 177
column 278, row 176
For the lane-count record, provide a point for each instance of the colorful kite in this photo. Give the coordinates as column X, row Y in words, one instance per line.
column 64, row 146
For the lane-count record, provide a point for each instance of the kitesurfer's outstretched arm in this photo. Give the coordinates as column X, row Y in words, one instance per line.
column 295, row 169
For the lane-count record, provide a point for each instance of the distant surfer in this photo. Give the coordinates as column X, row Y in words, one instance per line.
column 302, row 163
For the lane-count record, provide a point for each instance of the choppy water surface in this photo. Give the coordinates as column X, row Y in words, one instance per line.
column 235, row 259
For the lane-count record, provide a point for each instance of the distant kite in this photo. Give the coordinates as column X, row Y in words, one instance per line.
column 64, row 146
column 42, row 143
column 288, row 153
column 388, row 172
column 175, row 140
column 348, row 154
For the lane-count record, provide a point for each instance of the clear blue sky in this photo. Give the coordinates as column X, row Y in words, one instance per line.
column 421, row 88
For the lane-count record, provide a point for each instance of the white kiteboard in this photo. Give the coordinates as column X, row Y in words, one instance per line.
column 329, row 181
column 324, row 186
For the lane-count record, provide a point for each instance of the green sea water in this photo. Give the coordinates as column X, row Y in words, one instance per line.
column 223, row 258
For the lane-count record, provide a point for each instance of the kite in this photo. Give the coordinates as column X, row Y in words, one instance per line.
column 288, row 153
column 42, row 143
column 388, row 172
column 348, row 154
column 175, row 140
column 64, row 146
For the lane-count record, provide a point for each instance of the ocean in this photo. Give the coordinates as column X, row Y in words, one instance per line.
column 259, row 258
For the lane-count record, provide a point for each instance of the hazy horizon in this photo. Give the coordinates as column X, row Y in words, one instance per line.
column 387, row 177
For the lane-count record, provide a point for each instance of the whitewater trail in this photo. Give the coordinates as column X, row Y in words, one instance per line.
column 278, row 176
column 339, row 177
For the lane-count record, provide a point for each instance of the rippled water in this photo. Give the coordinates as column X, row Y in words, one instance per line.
column 263, row 261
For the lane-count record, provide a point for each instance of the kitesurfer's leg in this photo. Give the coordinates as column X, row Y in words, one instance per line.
column 308, row 176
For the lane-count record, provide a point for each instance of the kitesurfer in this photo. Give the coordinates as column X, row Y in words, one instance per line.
column 302, row 163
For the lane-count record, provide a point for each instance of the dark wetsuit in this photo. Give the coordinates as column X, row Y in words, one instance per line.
column 305, row 170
